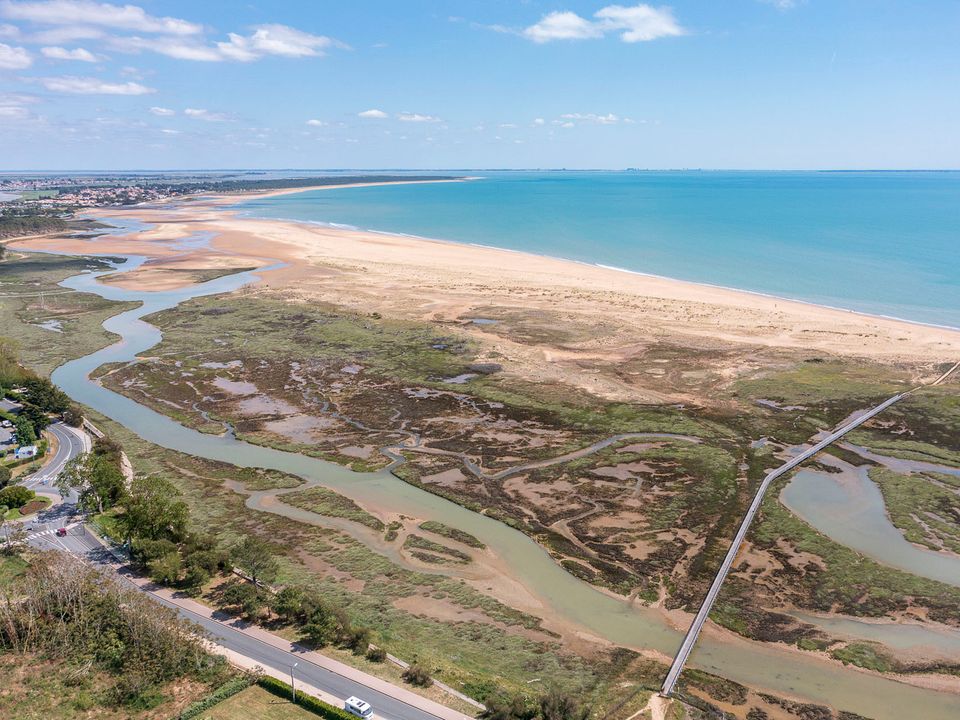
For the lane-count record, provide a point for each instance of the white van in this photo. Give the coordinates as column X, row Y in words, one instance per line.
column 358, row 707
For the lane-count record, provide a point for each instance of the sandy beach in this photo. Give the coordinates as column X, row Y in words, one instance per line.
column 556, row 320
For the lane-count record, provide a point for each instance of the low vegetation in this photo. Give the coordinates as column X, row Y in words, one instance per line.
column 438, row 528
column 86, row 622
column 332, row 504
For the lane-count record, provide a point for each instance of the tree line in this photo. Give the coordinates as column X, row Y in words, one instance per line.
column 39, row 397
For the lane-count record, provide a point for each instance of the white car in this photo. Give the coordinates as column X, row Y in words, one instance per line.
column 358, row 707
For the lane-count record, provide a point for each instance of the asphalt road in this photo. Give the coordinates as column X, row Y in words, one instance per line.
column 69, row 445
column 79, row 541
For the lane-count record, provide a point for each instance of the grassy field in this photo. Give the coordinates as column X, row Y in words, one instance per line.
column 255, row 703
column 30, row 296
column 925, row 506
column 11, row 566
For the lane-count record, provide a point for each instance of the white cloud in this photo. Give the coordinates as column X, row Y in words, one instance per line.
column 14, row 58
column 608, row 119
column 266, row 40
column 508, row 125
column 87, row 12
column 417, row 117
column 781, row 4
column 168, row 131
column 92, row 86
column 9, row 31
column 274, row 40
column 202, row 114
column 60, row 53
column 316, row 123
column 373, row 114
column 162, row 111
column 539, row 121
column 637, row 23
column 640, row 23
column 65, row 34
column 562, row 26
column 187, row 49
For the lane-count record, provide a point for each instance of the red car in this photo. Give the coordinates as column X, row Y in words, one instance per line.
column 61, row 532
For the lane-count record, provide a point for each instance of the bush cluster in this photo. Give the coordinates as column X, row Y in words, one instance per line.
column 307, row 702
column 62, row 608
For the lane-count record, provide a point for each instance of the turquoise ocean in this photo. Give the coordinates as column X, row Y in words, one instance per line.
column 885, row 243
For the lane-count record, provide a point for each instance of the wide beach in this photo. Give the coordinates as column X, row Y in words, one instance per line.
column 608, row 316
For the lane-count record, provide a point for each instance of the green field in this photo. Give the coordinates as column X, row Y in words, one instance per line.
column 30, row 297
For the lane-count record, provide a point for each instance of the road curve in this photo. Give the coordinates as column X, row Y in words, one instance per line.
column 70, row 443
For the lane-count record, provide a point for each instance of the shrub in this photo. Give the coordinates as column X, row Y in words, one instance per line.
column 416, row 674
column 376, row 654
column 16, row 496
column 4, row 476
column 225, row 691
column 356, row 639
column 166, row 568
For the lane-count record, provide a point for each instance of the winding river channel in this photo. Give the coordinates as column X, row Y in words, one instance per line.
column 562, row 595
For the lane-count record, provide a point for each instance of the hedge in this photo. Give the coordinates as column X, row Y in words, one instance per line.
column 307, row 702
column 227, row 690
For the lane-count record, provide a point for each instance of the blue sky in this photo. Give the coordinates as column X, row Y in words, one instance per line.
column 485, row 83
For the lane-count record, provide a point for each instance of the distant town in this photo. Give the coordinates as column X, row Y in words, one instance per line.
column 34, row 204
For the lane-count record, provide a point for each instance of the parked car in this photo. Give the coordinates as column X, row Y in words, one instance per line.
column 358, row 707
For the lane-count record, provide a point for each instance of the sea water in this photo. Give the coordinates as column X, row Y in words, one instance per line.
column 885, row 243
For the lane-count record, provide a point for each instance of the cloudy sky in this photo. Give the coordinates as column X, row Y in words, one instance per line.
column 479, row 84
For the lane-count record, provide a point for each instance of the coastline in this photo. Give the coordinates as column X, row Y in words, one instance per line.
column 613, row 268
column 446, row 281
column 867, row 313
column 232, row 198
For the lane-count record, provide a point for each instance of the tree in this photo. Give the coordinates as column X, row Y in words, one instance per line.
column 321, row 628
column 154, row 511
column 73, row 416
column 25, row 432
column 288, row 603
column 255, row 558
column 245, row 597
column 5, row 475
column 166, row 568
column 96, row 478
column 36, row 417
column 45, row 395
column 10, row 370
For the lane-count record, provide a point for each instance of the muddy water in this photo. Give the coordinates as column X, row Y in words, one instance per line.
column 560, row 593
column 848, row 507
column 930, row 642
